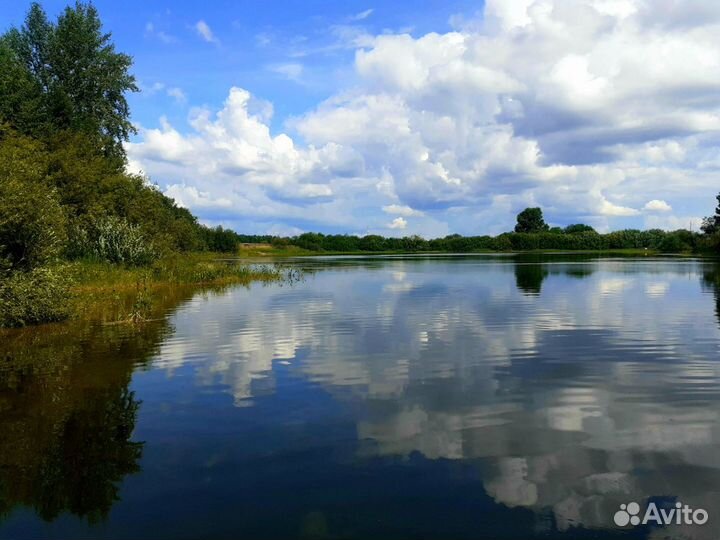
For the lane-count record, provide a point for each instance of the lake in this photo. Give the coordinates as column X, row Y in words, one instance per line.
column 378, row 397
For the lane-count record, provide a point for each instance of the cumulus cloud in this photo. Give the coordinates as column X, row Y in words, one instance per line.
column 657, row 206
column 204, row 31
column 398, row 223
column 401, row 210
column 588, row 109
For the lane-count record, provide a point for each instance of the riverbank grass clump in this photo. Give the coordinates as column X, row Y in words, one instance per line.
column 94, row 289
column 33, row 297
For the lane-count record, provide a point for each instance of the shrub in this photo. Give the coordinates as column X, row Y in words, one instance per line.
column 32, row 222
column 709, row 243
column 677, row 242
column 578, row 228
column 37, row 296
column 502, row 243
column 114, row 240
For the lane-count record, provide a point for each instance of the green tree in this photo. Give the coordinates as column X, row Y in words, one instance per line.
column 531, row 220
column 578, row 228
column 80, row 77
column 21, row 99
column 32, row 221
column 711, row 224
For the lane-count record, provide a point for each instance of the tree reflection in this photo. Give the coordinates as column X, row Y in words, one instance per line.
column 711, row 279
column 529, row 277
column 67, row 415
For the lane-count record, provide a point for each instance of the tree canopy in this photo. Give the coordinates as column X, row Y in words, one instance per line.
column 66, row 76
column 64, row 118
column 711, row 224
column 531, row 220
column 578, row 228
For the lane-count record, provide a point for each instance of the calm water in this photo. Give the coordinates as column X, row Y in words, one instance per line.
column 446, row 397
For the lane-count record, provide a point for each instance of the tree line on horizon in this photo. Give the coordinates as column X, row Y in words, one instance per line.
column 530, row 233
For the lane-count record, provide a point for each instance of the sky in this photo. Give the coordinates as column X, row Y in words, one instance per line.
column 280, row 117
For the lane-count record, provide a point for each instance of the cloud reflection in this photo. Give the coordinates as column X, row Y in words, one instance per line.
column 573, row 386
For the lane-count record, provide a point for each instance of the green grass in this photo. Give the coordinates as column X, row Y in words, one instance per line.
column 178, row 269
column 91, row 290
column 112, row 292
column 269, row 250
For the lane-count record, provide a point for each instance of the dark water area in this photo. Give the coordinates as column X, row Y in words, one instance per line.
column 388, row 397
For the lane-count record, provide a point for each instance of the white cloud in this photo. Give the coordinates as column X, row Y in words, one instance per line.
column 190, row 197
column 152, row 89
column 657, row 206
column 204, row 31
column 362, row 15
column 609, row 209
column 291, row 71
column 178, row 94
column 589, row 109
column 152, row 31
column 401, row 210
column 398, row 223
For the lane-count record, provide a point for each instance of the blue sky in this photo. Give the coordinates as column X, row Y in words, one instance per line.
column 357, row 117
column 253, row 39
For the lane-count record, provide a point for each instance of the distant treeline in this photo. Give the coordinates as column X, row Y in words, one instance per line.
column 531, row 233
column 654, row 239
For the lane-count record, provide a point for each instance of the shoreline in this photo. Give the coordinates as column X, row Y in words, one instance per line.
column 106, row 292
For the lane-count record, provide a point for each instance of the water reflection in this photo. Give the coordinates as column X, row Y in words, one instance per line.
column 529, row 277
column 67, row 414
column 711, row 279
column 325, row 408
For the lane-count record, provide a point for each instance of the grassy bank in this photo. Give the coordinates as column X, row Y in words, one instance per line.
column 111, row 292
column 178, row 269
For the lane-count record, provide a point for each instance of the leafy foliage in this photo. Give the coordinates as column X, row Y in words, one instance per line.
column 72, row 75
column 531, row 220
column 578, row 228
column 32, row 221
column 580, row 238
column 114, row 240
column 33, row 297
column 711, row 224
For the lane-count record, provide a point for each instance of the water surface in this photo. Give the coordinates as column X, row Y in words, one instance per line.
column 388, row 397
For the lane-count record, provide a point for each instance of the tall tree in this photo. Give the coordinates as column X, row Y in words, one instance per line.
column 711, row 224
column 82, row 79
column 22, row 104
column 531, row 220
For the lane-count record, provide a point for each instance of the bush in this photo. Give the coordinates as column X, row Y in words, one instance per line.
column 578, row 228
column 677, row 242
column 709, row 243
column 37, row 296
column 113, row 240
column 32, row 222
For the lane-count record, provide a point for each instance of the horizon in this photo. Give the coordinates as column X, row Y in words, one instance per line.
column 370, row 119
